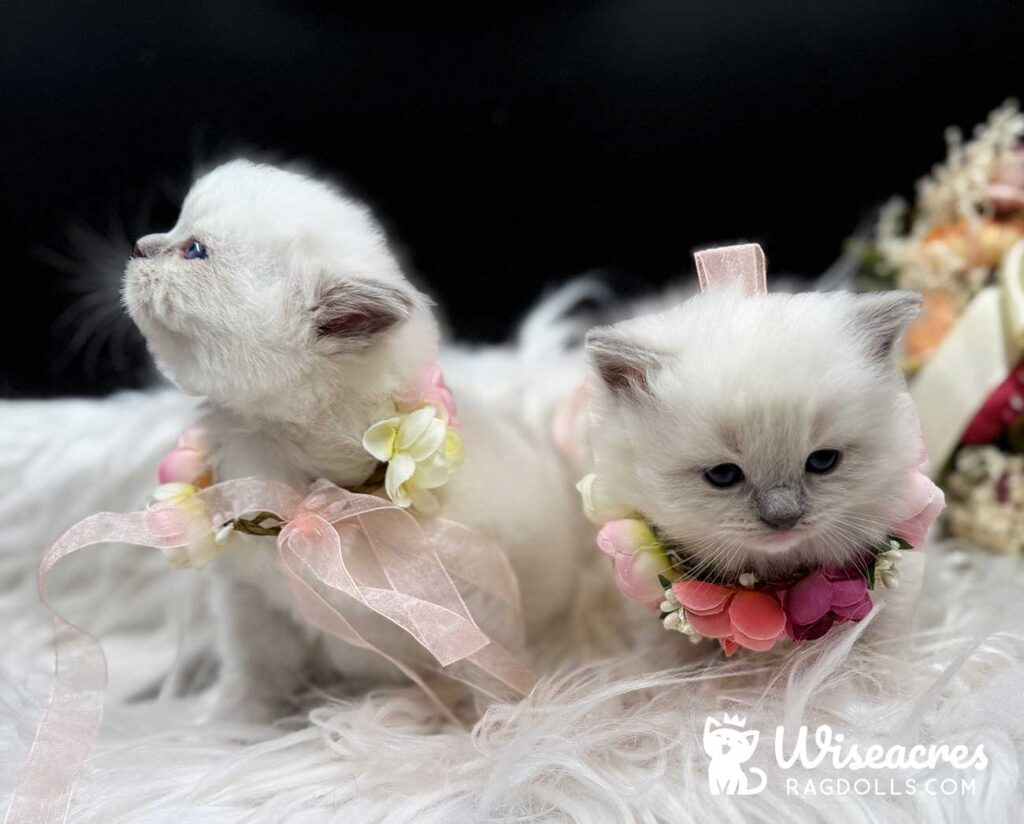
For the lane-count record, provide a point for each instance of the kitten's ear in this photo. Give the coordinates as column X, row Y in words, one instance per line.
column 358, row 310
column 752, row 736
column 623, row 365
column 880, row 318
column 710, row 723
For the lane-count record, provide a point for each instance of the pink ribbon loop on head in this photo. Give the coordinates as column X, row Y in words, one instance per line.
column 742, row 266
column 360, row 569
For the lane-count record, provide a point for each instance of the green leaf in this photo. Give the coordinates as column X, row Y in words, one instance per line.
column 869, row 572
column 665, row 582
column 904, row 544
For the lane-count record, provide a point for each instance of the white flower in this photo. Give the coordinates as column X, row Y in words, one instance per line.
column 678, row 622
column 748, row 579
column 422, row 453
column 598, row 505
column 885, row 566
column 221, row 535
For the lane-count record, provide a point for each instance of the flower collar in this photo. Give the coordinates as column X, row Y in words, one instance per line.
column 419, row 450
column 750, row 613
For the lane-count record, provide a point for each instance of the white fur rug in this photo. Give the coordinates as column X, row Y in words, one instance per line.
column 613, row 739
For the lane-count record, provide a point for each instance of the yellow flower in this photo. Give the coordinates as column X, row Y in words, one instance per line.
column 174, row 493
column 200, row 552
column 422, row 453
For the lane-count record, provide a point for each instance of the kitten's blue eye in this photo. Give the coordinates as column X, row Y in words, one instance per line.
column 723, row 475
column 194, row 250
column 822, row 460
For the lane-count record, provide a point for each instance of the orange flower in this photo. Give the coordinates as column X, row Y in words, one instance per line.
column 938, row 314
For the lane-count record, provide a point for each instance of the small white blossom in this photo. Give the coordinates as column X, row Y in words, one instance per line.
column 748, row 579
column 221, row 534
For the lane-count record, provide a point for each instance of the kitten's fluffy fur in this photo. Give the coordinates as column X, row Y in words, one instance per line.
column 298, row 329
column 760, row 382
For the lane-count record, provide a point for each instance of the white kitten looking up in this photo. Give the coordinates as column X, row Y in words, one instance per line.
column 760, row 433
column 278, row 300
column 271, row 297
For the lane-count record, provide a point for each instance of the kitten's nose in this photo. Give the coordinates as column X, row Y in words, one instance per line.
column 147, row 246
column 782, row 522
column 780, row 507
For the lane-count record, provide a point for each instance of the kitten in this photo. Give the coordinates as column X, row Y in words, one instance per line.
column 758, row 434
column 277, row 300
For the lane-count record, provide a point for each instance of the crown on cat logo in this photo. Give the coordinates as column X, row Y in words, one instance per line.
column 733, row 721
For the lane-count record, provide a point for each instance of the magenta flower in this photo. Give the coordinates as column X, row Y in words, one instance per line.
column 825, row 597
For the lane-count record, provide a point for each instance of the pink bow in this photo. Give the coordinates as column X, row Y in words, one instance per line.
column 358, row 566
column 742, row 266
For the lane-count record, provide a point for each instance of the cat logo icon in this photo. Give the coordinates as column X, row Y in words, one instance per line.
column 730, row 746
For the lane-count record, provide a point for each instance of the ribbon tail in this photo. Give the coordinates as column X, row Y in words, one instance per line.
column 71, row 720
column 67, row 732
column 495, row 672
column 320, row 614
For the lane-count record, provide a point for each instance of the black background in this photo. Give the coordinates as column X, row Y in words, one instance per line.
column 506, row 148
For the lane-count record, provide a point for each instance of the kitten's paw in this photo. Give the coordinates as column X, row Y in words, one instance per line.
column 245, row 705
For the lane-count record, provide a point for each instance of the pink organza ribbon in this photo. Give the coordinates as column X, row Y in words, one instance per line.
column 741, row 266
column 358, row 567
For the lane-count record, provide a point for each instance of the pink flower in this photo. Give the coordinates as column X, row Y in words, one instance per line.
column 187, row 462
column 828, row 596
column 431, row 389
column 638, row 558
column 926, row 502
column 736, row 617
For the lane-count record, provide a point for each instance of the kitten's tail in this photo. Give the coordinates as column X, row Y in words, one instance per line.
column 759, row 787
column 562, row 318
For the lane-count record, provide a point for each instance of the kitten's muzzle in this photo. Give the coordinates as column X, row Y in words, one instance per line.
column 147, row 246
column 780, row 507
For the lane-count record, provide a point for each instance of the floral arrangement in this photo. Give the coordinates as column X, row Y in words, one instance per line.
column 418, row 448
column 962, row 246
column 749, row 613
column 968, row 213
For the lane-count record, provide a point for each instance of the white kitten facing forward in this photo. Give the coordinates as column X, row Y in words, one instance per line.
column 758, row 433
column 277, row 300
